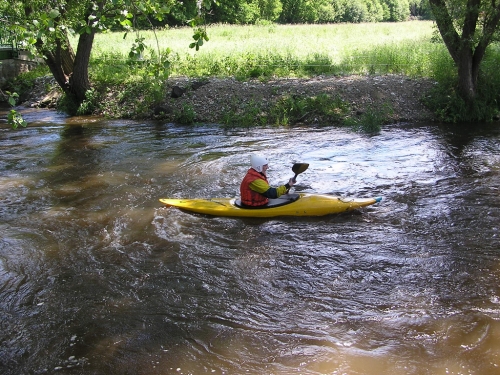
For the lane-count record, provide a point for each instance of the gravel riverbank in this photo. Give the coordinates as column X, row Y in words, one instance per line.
column 211, row 98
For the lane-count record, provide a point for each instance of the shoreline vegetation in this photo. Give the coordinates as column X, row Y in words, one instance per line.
column 359, row 75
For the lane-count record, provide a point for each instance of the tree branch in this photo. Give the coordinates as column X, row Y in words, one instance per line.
column 446, row 28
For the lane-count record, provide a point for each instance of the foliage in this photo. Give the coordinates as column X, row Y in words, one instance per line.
column 256, row 52
column 199, row 36
column 287, row 110
column 185, row 115
column 354, row 11
column 445, row 101
column 24, row 82
column 315, row 11
column 125, row 86
column 46, row 27
column 396, row 10
column 292, row 109
column 371, row 120
column 467, row 29
column 306, row 11
column 14, row 119
column 90, row 104
column 284, row 51
column 312, row 11
column 447, row 104
column 420, row 9
column 18, row 87
column 245, row 116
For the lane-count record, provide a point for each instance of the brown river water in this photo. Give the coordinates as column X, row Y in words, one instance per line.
column 97, row 277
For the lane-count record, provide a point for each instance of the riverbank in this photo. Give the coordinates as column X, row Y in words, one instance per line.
column 211, row 100
column 402, row 95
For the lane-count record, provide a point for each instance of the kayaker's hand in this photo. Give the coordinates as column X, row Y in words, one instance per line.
column 291, row 182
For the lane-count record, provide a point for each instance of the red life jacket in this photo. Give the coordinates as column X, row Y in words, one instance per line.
column 248, row 196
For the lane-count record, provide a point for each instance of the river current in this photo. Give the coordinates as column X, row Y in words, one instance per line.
column 97, row 277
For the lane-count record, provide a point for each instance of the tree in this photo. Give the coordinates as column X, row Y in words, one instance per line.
column 310, row 11
column 47, row 25
column 420, row 9
column 396, row 10
column 467, row 28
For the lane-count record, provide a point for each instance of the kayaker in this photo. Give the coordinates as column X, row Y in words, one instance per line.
column 254, row 189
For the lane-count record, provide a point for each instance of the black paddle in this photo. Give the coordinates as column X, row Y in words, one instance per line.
column 299, row 168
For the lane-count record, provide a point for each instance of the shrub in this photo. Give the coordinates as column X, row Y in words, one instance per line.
column 371, row 120
column 323, row 109
column 185, row 115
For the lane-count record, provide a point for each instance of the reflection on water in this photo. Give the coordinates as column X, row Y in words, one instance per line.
column 96, row 277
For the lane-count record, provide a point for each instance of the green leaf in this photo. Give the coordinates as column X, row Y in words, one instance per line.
column 15, row 120
column 54, row 13
column 126, row 23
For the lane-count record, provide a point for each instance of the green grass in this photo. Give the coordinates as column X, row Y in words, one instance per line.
column 284, row 50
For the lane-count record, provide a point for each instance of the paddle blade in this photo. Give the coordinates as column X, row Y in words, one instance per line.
column 299, row 168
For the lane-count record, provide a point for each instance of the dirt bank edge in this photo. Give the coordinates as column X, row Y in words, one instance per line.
column 214, row 97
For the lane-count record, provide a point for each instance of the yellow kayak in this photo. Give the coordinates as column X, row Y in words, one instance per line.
column 287, row 205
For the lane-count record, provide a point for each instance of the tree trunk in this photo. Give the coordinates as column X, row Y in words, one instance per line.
column 79, row 81
column 467, row 77
column 60, row 61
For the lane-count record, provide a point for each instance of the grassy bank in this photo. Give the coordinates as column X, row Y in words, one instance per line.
column 271, row 51
column 263, row 52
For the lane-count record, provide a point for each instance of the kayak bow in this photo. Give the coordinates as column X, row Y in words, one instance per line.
column 302, row 204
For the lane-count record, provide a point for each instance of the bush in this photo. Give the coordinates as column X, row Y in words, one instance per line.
column 310, row 11
column 354, row 11
column 24, row 82
column 448, row 106
column 396, row 10
column 371, row 120
column 445, row 101
column 90, row 104
column 292, row 109
column 185, row 115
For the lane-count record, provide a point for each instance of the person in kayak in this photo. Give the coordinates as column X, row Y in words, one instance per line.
column 254, row 189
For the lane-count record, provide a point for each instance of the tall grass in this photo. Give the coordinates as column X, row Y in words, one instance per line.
column 285, row 50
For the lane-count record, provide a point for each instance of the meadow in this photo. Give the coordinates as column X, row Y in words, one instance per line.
column 264, row 51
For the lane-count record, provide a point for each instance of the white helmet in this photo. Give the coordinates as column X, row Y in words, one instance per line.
column 258, row 162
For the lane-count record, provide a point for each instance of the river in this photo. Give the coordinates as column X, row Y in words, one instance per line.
column 97, row 277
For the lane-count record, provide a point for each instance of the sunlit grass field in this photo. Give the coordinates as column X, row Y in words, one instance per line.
column 334, row 40
column 285, row 50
